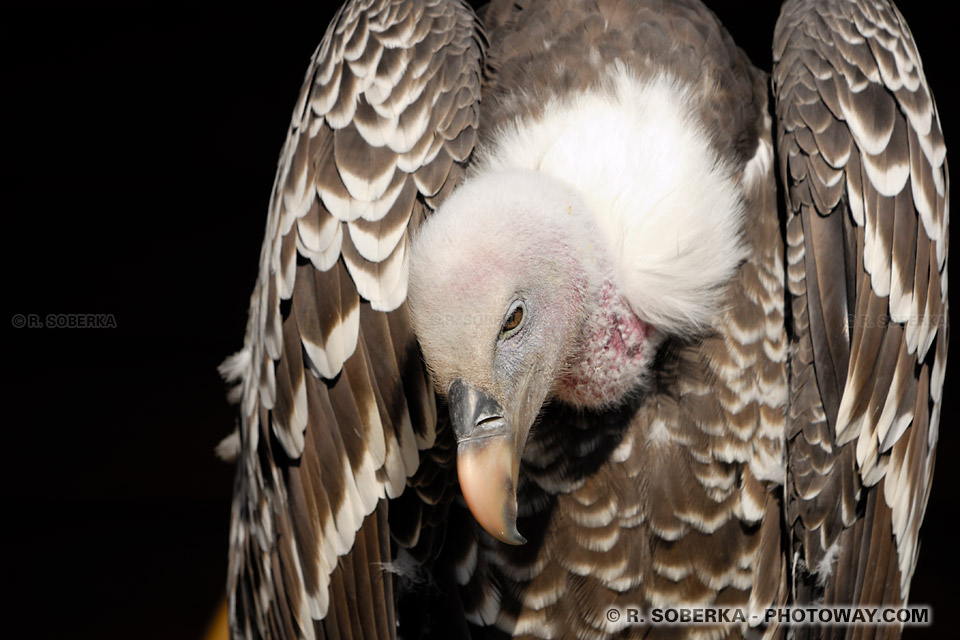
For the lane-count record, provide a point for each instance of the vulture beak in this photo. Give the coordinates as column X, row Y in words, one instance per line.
column 488, row 459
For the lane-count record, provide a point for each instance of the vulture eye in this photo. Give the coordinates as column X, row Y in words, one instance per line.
column 513, row 322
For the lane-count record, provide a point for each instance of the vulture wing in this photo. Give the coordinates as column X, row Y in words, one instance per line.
column 862, row 159
column 335, row 402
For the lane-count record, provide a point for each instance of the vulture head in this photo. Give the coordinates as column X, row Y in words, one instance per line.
column 515, row 303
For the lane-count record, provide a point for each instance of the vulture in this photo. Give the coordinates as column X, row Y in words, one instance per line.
column 565, row 308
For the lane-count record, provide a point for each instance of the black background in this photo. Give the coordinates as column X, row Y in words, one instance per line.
column 140, row 151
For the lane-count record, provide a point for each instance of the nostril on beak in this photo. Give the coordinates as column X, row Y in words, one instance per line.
column 488, row 419
column 472, row 412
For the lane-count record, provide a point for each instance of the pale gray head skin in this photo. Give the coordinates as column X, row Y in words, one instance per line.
column 505, row 242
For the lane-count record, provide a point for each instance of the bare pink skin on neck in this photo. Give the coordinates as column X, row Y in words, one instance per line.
column 611, row 360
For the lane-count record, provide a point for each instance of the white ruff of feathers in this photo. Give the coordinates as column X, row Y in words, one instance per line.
column 665, row 204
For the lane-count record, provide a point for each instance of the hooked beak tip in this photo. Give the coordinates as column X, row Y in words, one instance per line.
column 488, row 460
column 488, row 470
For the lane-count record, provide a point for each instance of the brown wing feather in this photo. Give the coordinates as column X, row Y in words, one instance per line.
column 863, row 162
column 335, row 402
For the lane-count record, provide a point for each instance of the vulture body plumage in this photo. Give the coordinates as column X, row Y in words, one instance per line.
column 566, row 308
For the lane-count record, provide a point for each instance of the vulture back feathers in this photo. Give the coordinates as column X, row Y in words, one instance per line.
column 565, row 307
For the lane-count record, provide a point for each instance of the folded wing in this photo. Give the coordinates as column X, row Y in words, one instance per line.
column 335, row 403
column 862, row 159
